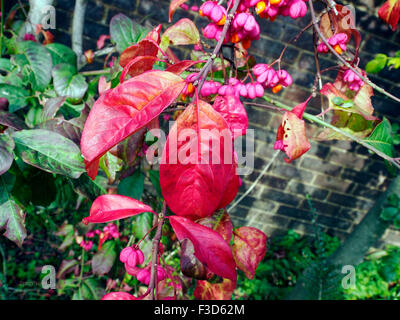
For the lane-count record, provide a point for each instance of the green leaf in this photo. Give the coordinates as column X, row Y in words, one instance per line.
column 16, row 96
column 12, row 217
column 61, row 54
column 154, row 176
column 381, row 138
column 39, row 62
column 6, row 155
column 142, row 224
column 377, row 64
column 132, row 186
column 123, row 32
column 103, row 260
column 389, row 213
column 5, row 65
column 67, row 82
column 49, row 151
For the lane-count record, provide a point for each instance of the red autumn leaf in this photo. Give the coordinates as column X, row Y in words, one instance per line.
column 143, row 48
column 231, row 189
column 121, row 111
column 209, row 246
column 291, row 136
column 234, row 113
column 181, row 66
column 193, row 184
column 101, row 41
column 110, row 207
column 219, row 222
column 183, row 32
column 155, row 34
column 173, row 6
column 214, row 291
column 137, row 66
column 390, row 13
column 120, row 295
column 249, row 248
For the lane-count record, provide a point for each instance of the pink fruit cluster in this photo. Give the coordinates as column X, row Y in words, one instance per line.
column 269, row 78
column 270, row 9
column 338, row 42
column 213, row 11
column 244, row 28
column 144, row 275
column 238, row 88
column 353, row 80
column 111, row 230
column 86, row 245
column 131, row 256
column 209, row 88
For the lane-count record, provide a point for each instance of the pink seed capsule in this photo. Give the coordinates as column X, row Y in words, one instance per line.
column 251, row 91
column 259, row 90
column 260, row 68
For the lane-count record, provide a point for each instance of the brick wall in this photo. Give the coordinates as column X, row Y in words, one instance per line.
column 341, row 177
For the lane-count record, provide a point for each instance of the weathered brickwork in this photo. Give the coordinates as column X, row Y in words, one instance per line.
column 341, row 178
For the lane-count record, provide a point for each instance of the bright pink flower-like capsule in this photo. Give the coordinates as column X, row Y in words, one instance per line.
column 188, row 90
column 285, row 78
column 295, row 9
column 131, row 256
column 184, row 6
column 209, row 88
column 90, row 234
column 213, row 31
column 29, row 37
column 353, row 80
column 338, row 42
column 194, row 8
column 214, row 12
column 266, row 75
column 245, row 26
column 86, row 245
column 254, row 90
column 144, row 275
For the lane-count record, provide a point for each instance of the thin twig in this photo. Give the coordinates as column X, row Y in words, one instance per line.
column 315, row 119
column 202, row 76
column 341, row 59
column 154, row 260
column 266, row 168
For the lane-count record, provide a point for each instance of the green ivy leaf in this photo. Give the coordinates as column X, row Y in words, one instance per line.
column 61, row 54
column 49, row 151
column 67, row 82
column 132, row 186
column 381, row 138
column 39, row 62
column 377, row 64
column 12, row 217
column 17, row 97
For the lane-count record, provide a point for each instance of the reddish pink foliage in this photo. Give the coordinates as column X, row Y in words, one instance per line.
column 249, row 248
column 120, row 295
column 143, row 48
column 137, row 66
column 103, row 85
column 390, row 13
column 209, row 246
column 193, row 185
column 111, row 207
column 120, row 112
column 155, row 34
column 234, row 113
column 291, row 135
column 181, row 66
